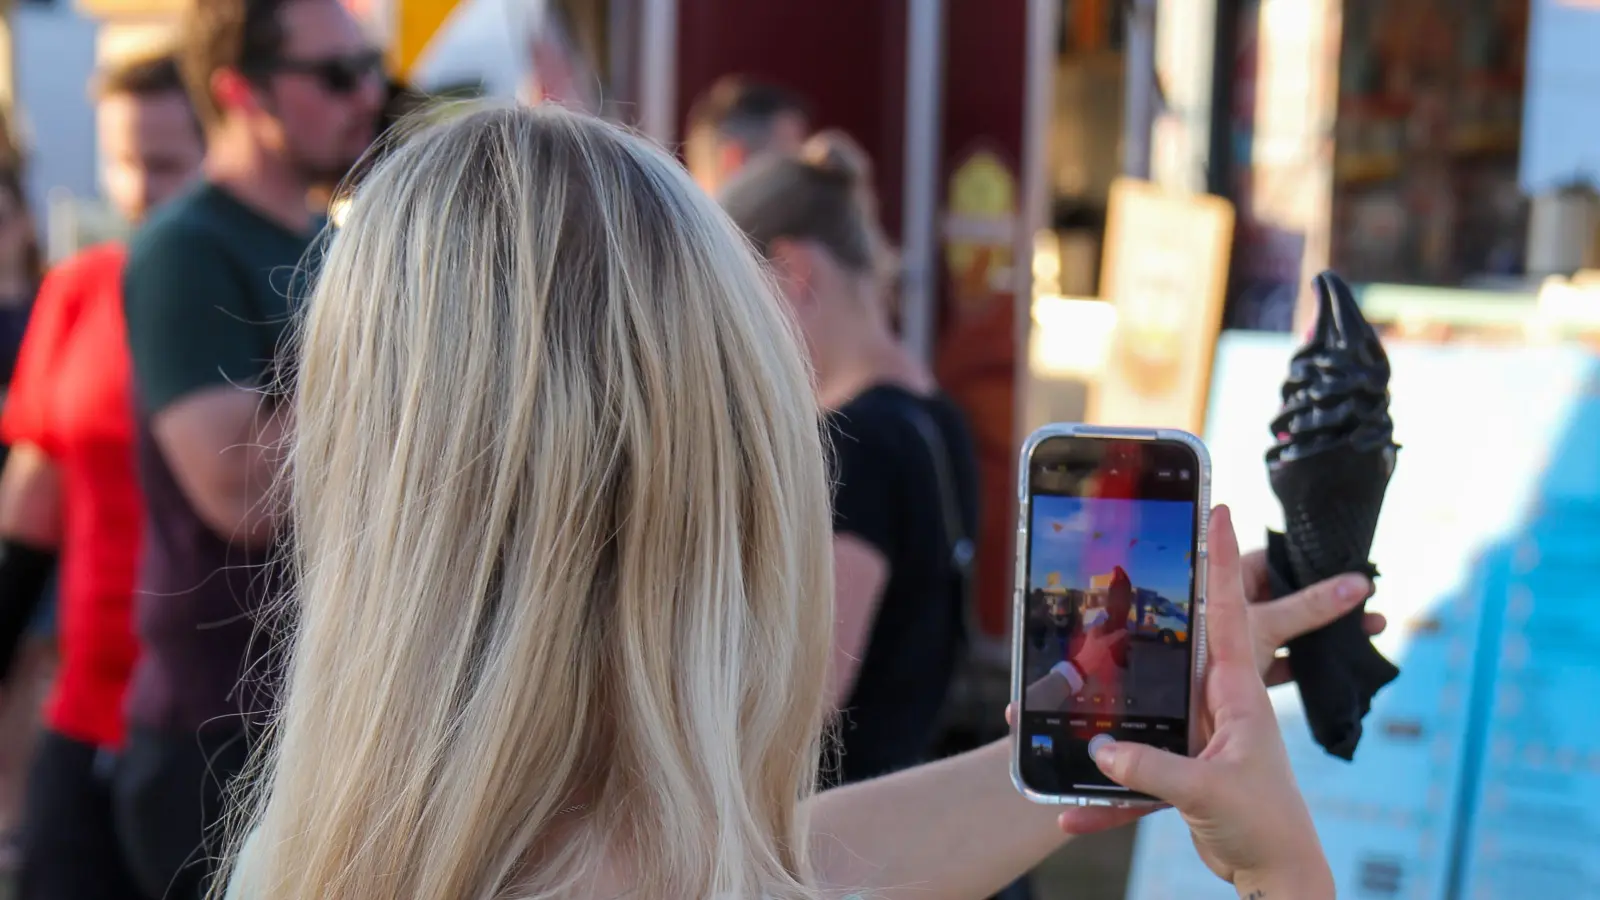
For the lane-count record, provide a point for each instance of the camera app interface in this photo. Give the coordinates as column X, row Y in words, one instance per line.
column 1108, row 642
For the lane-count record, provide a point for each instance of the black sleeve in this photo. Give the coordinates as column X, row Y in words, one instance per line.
column 24, row 573
column 863, row 495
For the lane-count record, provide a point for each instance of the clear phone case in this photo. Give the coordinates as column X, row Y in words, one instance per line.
column 1019, row 593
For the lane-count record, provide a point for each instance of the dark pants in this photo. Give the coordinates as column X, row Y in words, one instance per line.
column 69, row 842
column 171, row 793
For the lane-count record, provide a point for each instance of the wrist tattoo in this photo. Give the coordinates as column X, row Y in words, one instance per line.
column 1256, row 895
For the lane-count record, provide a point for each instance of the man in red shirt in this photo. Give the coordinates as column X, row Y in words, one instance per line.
column 69, row 495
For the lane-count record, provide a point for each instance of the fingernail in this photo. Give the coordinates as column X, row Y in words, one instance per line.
column 1106, row 754
column 1354, row 587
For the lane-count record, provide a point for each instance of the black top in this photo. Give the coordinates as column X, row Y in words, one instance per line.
column 887, row 493
column 209, row 288
column 13, row 325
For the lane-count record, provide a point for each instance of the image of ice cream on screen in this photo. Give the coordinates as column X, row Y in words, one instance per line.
column 1108, row 606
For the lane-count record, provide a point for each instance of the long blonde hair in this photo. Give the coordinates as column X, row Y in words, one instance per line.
column 561, row 515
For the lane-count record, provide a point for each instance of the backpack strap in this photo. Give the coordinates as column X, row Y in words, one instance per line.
column 972, row 714
column 962, row 549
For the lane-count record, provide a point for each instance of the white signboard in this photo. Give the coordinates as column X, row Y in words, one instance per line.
column 1485, row 436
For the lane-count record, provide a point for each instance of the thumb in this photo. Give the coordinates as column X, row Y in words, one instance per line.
column 1150, row 770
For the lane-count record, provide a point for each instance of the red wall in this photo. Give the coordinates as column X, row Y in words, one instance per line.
column 846, row 57
column 976, row 351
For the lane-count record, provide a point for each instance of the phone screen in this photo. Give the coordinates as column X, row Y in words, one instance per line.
column 1109, row 595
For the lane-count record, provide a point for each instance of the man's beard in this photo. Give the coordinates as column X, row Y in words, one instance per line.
column 321, row 177
column 318, row 176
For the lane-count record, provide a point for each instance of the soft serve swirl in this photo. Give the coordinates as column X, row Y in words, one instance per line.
column 1337, row 392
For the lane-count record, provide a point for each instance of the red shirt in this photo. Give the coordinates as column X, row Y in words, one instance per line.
column 72, row 397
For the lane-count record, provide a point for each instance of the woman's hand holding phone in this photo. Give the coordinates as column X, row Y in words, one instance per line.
column 1239, row 795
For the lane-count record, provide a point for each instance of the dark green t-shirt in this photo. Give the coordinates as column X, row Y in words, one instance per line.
column 209, row 289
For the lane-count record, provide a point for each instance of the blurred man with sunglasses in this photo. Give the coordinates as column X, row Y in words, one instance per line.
column 289, row 93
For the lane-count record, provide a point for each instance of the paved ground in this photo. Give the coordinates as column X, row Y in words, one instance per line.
column 1094, row 867
column 1157, row 679
column 1156, row 682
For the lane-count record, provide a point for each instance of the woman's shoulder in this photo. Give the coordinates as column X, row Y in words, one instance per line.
column 898, row 418
column 888, row 410
column 240, row 888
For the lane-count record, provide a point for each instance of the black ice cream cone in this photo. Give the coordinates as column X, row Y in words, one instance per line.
column 1330, row 468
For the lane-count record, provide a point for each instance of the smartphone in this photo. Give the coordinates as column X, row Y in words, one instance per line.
column 1108, row 635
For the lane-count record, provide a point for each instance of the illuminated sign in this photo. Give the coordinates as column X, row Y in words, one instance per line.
column 109, row 9
column 151, row 8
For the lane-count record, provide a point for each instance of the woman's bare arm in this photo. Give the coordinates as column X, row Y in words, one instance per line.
column 952, row 830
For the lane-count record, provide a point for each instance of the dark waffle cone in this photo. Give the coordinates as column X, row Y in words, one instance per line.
column 1331, row 503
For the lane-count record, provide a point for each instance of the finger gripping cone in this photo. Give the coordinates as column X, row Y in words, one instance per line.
column 1330, row 468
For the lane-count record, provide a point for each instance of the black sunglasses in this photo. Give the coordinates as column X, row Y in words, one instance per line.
column 336, row 74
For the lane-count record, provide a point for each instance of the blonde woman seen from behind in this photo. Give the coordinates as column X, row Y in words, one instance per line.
column 562, row 527
column 559, row 513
